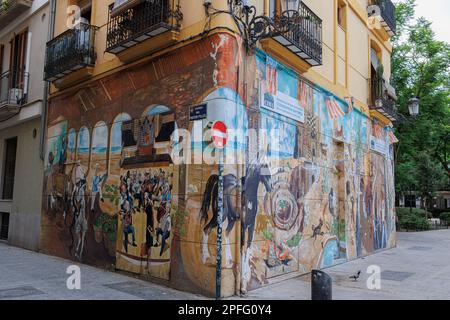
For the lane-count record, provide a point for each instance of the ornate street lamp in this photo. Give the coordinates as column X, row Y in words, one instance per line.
column 256, row 27
column 379, row 103
column 413, row 106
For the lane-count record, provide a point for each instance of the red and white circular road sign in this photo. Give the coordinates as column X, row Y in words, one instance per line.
column 219, row 134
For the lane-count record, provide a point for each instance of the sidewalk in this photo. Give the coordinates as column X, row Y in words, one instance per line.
column 419, row 268
column 33, row 276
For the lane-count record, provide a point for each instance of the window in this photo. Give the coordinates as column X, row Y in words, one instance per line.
column 3, row 83
column 9, row 168
column 410, row 201
column 86, row 11
column 4, row 225
column 148, row 139
column 276, row 7
column 341, row 14
column 18, row 59
column 2, row 53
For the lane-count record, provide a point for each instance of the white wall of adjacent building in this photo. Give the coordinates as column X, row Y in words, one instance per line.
column 24, row 209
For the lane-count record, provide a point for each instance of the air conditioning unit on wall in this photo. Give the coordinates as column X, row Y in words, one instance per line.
column 15, row 96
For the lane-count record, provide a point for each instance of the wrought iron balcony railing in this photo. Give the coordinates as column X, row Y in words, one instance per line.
column 70, row 51
column 381, row 100
column 11, row 9
column 14, row 88
column 301, row 33
column 144, row 20
column 386, row 12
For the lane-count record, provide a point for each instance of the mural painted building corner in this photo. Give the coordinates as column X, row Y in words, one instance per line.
column 315, row 189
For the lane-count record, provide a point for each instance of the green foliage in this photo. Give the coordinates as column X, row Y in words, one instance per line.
column 414, row 220
column 415, row 223
column 294, row 241
column 179, row 220
column 108, row 226
column 421, row 67
column 110, row 229
column 101, row 220
column 267, row 234
column 4, row 5
column 403, row 212
column 445, row 216
column 112, row 194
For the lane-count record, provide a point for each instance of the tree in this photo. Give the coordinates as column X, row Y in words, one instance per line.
column 421, row 68
column 429, row 177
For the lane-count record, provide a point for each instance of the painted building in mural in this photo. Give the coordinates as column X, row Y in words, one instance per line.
column 308, row 181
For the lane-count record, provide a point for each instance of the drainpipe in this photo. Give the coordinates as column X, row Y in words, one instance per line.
column 51, row 30
column 27, row 64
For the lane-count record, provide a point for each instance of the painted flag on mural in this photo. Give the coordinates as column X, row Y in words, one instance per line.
column 334, row 110
column 377, row 131
column 271, row 75
column 392, row 137
column 349, row 104
column 305, row 94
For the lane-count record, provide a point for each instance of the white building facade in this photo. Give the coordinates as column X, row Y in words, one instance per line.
column 23, row 35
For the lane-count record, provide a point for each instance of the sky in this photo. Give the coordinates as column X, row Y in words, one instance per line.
column 438, row 12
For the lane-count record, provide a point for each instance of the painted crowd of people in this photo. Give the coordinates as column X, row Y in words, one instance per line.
column 148, row 192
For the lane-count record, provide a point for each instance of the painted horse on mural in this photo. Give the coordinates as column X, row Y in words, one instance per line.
column 230, row 214
column 256, row 174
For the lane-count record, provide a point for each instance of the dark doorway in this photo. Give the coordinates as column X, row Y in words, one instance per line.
column 4, row 225
column 10, row 168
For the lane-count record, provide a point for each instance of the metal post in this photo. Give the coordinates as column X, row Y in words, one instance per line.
column 219, row 229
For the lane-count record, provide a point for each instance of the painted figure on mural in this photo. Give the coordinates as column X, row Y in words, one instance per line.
column 97, row 182
column 163, row 231
column 148, row 193
column 79, row 208
column 150, row 225
column 63, row 153
column 127, row 224
column 332, row 202
column 146, row 137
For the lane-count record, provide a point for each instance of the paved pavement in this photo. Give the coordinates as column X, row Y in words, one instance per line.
column 419, row 268
column 33, row 276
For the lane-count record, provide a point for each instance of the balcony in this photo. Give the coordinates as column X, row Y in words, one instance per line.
column 140, row 21
column 304, row 35
column 71, row 53
column 297, row 33
column 383, row 98
column 13, row 92
column 385, row 13
column 11, row 9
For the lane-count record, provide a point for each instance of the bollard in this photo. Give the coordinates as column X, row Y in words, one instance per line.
column 321, row 286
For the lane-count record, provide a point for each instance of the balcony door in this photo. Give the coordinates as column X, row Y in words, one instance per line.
column 17, row 62
column 276, row 7
column 2, row 53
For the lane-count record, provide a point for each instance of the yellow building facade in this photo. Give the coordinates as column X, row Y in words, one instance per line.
column 132, row 175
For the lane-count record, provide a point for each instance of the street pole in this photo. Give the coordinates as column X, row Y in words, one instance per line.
column 219, row 229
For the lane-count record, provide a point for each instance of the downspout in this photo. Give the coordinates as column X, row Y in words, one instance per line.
column 51, row 30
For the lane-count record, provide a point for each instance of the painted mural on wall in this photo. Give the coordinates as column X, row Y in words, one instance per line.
column 303, row 195
column 319, row 209
column 113, row 196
